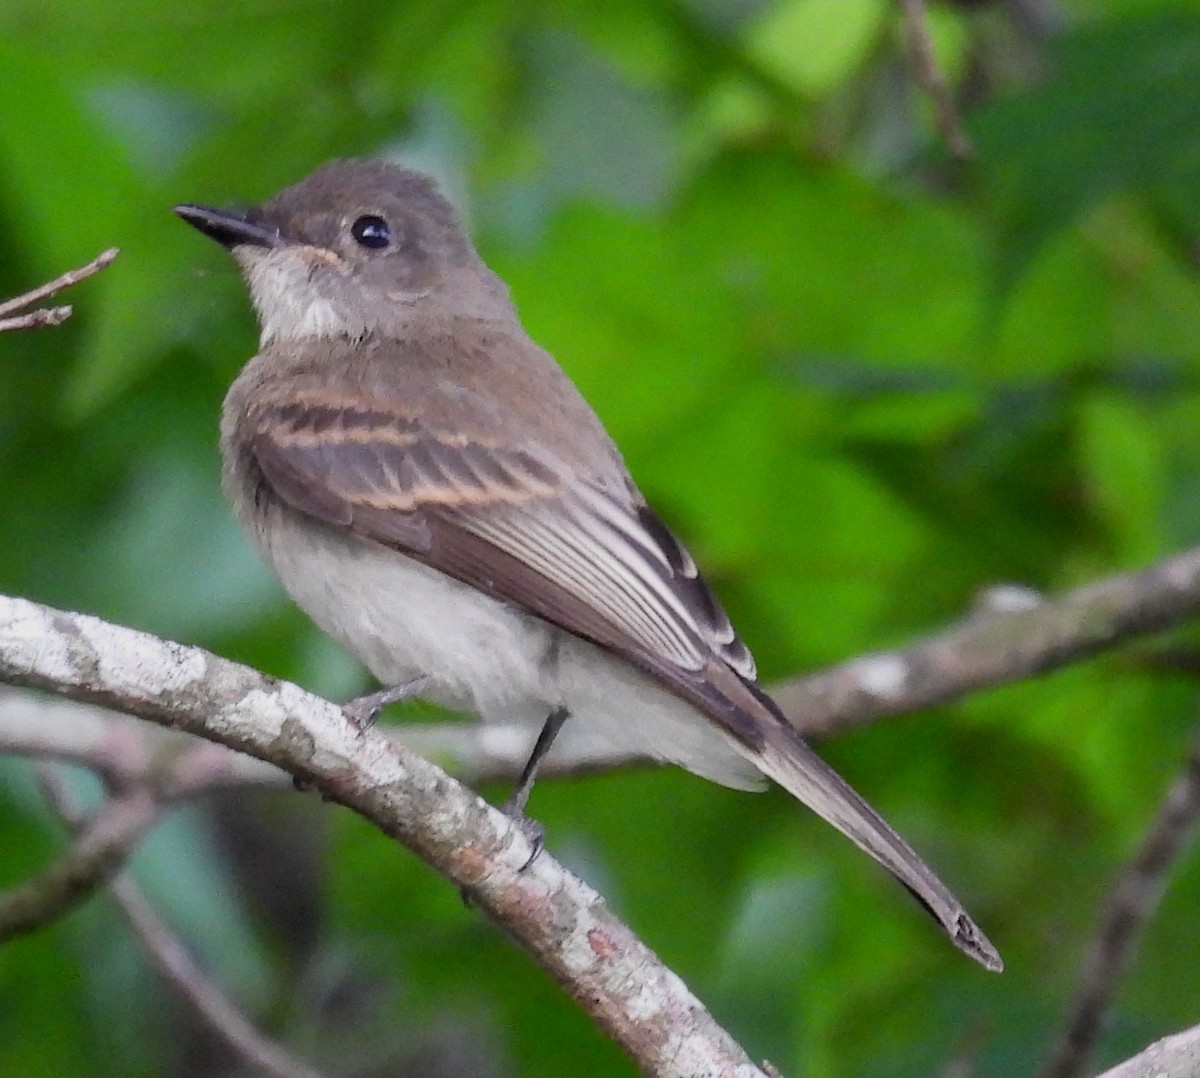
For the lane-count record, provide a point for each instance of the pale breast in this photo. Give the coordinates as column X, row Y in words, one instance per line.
column 402, row 619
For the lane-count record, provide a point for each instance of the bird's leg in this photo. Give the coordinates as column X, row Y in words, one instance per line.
column 362, row 711
column 519, row 798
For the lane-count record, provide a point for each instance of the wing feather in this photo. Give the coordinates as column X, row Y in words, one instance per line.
column 591, row 560
column 595, row 561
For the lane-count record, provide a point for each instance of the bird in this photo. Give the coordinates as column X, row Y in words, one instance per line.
column 435, row 493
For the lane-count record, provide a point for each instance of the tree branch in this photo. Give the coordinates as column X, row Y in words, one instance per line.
column 561, row 921
column 1015, row 636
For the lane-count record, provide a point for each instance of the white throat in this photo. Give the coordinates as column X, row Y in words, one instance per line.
column 289, row 305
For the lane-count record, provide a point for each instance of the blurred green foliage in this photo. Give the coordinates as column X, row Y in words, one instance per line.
column 864, row 381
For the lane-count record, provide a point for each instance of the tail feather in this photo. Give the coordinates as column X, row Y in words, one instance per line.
column 759, row 731
column 787, row 759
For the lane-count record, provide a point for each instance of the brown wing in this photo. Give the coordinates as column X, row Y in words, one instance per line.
column 515, row 524
column 596, row 562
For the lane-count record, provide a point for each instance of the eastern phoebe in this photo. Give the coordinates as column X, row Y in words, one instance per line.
column 437, row 496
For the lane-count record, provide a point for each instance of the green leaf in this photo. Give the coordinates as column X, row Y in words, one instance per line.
column 1117, row 112
column 1123, row 474
column 814, row 44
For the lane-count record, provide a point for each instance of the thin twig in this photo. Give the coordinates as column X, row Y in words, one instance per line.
column 50, row 316
column 99, row 851
column 1130, row 906
column 929, row 75
column 43, row 316
column 63, row 281
column 171, row 958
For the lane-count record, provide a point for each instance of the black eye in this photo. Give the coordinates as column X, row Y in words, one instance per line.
column 371, row 231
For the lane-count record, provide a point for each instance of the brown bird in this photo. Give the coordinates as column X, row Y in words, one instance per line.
column 434, row 492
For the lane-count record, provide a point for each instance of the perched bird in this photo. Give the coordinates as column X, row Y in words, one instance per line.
column 435, row 493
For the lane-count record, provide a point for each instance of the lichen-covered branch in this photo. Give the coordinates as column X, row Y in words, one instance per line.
column 561, row 921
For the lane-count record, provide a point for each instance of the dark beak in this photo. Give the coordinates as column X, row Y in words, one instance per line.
column 229, row 228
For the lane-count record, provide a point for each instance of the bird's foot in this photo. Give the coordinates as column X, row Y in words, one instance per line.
column 362, row 711
column 534, row 832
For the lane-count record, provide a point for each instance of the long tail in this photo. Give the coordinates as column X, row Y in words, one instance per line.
column 760, row 732
column 787, row 759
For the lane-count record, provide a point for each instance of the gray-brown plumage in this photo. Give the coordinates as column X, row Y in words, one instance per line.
column 435, row 493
